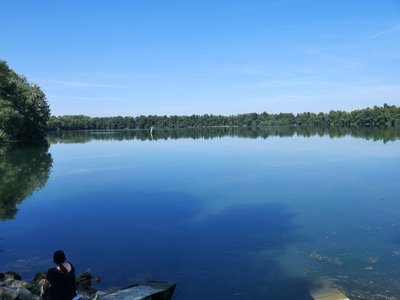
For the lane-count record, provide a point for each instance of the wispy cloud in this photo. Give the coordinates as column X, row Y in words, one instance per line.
column 241, row 69
column 58, row 97
column 381, row 33
column 86, row 84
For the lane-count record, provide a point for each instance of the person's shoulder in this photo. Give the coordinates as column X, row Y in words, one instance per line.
column 70, row 263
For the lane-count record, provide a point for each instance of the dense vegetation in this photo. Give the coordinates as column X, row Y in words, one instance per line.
column 386, row 116
column 25, row 115
column 24, row 112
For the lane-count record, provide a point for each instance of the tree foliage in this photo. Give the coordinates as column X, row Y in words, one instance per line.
column 385, row 116
column 24, row 111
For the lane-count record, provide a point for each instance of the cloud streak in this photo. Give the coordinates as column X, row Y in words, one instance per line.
column 390, row 30
column 86, row 84
column 72, row 98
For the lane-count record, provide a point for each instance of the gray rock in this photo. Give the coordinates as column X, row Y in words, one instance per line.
column 84, row 283
column 8, row 293
column 39, row 276
column 12, row 275
column 24, row 294
column 151, row 290
column 37, row 286
column 13, row 283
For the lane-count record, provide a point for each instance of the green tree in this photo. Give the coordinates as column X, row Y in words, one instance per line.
column 24, row 111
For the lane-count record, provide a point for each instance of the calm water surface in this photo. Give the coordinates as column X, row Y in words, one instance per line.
column 225, row 214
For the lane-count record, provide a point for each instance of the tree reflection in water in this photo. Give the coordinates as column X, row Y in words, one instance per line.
column 23, row 170
column 83, row 136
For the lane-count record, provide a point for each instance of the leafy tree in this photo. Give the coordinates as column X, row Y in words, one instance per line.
column 24, row 111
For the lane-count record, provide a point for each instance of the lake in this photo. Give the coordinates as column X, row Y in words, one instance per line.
column 226, row 213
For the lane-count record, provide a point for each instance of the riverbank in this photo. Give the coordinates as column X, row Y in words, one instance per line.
column 12, row 287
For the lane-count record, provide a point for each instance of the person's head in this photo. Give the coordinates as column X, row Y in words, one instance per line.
column 59, row 257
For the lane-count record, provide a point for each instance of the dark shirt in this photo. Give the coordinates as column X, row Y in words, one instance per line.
column 62, row 285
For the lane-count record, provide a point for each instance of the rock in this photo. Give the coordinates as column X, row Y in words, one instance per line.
column 37, row 286
column 331, row 294
column 13, row 283
column 85, row 279
column 8, row 294
column 151, row 290
column 326, row 289
column 38, row 282
column 39, row 276
column 316, row 256
column 12, row 275
column 13, row 288
column 84, row 283
column 24, row 294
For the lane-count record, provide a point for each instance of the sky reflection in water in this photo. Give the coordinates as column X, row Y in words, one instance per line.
column 227, row 218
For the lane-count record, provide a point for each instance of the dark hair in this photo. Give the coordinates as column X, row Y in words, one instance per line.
column 59, row 258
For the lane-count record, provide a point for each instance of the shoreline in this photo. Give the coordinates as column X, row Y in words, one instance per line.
column 13, row 287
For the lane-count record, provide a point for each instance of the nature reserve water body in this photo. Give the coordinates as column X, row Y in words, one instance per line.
column 225, row 213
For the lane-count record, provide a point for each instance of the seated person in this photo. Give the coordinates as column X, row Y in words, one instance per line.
column 60, row 284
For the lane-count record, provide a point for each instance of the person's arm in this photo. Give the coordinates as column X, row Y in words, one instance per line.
column 44, row 288
column 46, row 284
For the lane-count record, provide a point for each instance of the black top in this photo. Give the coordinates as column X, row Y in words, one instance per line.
column 62, row 285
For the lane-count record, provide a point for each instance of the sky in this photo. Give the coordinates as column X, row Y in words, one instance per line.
column 146, row 57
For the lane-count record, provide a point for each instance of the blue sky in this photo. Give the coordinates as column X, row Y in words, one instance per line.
column 170, row 57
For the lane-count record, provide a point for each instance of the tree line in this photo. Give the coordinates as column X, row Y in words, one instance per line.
column 25, row 115
column 384, row 116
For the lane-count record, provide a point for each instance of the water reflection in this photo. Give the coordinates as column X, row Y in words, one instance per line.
column 375, row 134
column 254, row 271
column 226, row 220
column 23, row 169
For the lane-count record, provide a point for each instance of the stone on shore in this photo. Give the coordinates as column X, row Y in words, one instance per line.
column 8, row 293
column 14, row 283
column 151, row 290
column 12, row 288
column 39, row 276
column 25, row 294
column 84, row 283
column 12, row 275
column 37, row 285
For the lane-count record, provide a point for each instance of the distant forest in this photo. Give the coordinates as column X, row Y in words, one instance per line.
column 385, row 116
